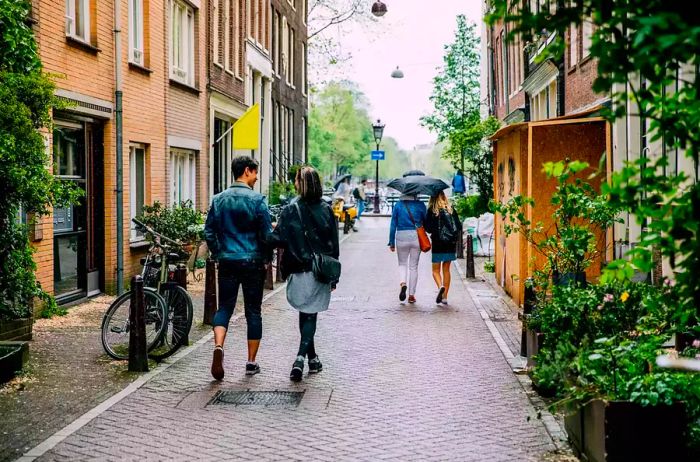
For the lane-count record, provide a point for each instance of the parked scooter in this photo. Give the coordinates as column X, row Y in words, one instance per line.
column 344, row 213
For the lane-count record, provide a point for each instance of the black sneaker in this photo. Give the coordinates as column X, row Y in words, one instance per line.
column 217, row 364
column 315, row 366
column 252, row 368
column 438, row 299
column 402, row 294
column 297, row 370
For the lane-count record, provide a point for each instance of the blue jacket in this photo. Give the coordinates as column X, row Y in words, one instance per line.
column 458, row 184
column 400, row 219
column 238, row 224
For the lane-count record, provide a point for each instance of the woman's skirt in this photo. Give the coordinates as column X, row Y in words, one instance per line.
column 306, row 294
column 443, row 257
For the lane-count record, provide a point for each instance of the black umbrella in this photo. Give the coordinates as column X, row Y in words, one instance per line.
column 413, row 173
column 414, row 185
column 340, row 179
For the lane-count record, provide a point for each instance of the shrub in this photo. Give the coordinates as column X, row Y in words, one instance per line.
column 182, row 222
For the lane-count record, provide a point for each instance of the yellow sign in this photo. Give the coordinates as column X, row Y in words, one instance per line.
column 246, row 131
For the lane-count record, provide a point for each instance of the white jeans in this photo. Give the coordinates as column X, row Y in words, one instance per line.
column 408, row 251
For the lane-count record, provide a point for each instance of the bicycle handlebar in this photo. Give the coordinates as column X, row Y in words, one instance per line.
column 150, row 230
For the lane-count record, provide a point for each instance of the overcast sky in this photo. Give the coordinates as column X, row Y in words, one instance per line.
column 411, row 35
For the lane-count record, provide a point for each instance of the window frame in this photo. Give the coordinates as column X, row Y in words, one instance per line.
column 136, row 30
column 176, row 193
column 71, row 15
column 135, row 235
column 186, row 45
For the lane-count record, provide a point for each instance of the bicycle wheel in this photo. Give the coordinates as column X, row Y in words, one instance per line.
column 115, row 323
column 178, row 321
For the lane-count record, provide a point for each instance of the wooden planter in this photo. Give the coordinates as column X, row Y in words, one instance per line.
column 16, row 329
column 13, row 355
column 623, row 431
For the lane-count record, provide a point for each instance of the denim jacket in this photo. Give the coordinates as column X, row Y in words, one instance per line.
column 401, row 220
column 238, row 224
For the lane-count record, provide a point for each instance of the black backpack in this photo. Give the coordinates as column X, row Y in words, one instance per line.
column 356, row 193
column 447, row 229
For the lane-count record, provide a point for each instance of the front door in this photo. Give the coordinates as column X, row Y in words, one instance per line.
column 78, row 160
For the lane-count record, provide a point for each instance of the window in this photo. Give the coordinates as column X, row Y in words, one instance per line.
column 228, row 22
column 222, row 155
column 137, row 185
column 275, row 43
column 183, row 174
column 587, row 36
column 216, row 40
column 304, row 83
column 290, row 140
column 182, row 50
column 303, row 139
column 285, row 48
column 240, row 20
column 78, row 19
column 544, row 104
column 573, row 45
column 136, row 49
column 290, row 48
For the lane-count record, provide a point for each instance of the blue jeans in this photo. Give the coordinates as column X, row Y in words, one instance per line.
column 232, row 275
column 360, row 208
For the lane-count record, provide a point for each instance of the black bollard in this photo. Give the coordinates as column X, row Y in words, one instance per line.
column 470, row 257
column 138, row 352
column 528, row 306
column 210, row 292
column 278, row 269
column 181, row 276
column 460, row 245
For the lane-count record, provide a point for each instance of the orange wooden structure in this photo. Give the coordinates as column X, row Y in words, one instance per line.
column 519, row 151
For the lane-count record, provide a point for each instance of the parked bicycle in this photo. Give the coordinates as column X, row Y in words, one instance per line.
column 168, row 306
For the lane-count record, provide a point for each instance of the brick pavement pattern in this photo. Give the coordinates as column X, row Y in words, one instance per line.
column 400, row 382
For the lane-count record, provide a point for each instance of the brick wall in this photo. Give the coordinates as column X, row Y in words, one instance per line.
column 229, row 83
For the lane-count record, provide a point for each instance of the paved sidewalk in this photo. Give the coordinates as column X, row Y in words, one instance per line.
column 400, row 382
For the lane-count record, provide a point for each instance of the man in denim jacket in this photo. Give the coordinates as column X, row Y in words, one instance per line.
column 237, row 226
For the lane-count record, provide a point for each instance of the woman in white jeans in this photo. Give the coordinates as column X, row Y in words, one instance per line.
column 408, row 214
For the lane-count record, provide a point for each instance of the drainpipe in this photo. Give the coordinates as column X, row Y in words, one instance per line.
column 118, row 137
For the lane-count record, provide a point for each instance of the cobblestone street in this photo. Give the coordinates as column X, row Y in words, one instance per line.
column 400, row 382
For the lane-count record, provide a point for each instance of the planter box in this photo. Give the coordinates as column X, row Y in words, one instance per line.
column 622, row 431
column 16, row 329
column 13, row 355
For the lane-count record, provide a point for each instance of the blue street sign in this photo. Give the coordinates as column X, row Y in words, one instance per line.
column 377, row 155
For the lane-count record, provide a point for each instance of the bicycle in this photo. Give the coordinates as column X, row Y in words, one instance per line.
column 169, row 309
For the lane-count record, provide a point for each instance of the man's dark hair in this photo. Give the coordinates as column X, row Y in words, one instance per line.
column 364, row 180
column 239, row 164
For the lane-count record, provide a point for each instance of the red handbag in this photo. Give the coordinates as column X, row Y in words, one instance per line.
column 423, row 239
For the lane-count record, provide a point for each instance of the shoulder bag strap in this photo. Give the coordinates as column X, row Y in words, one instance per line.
column 301, row 221
column 410, row 215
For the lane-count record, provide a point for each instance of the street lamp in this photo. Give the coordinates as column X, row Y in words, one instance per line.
column 379, row 9
column 397, row 73
column 378, row 129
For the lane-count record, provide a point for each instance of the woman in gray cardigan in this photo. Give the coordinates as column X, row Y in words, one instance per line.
column 304, row 292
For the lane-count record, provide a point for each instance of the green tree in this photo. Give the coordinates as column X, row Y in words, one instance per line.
column 26, row 100
column 456, row 90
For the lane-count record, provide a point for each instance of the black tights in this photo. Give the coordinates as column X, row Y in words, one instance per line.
column 307, row 327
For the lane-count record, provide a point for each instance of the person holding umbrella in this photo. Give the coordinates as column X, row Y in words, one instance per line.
column 407, row 216
column 442, row 222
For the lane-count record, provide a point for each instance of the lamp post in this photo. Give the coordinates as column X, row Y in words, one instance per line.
column 378, row 129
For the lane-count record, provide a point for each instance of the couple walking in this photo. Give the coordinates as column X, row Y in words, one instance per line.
column 442, row 223
column 240, row 236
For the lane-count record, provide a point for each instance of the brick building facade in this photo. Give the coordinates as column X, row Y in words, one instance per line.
column 289, row 87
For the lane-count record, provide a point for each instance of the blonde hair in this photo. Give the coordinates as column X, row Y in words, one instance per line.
column 439, row 202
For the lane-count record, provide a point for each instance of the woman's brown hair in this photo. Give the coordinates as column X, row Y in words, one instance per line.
column 308, row 184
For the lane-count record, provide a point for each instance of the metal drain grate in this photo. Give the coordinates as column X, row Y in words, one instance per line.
column 258, row 398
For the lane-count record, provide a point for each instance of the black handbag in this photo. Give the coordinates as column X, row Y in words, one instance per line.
column 325, row 268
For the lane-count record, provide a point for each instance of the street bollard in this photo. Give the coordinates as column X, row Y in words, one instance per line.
column 181, row 275
column 210, row 303
column 470, row 257
column 269, row 281
column 528, row 306
column 138, row 353
column 278, row 269
column 460, row 245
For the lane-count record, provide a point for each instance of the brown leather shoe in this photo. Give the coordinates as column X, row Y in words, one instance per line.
column 411, row 299
column 217, row 364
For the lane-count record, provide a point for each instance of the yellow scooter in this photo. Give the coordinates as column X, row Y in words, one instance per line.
column 345, row 214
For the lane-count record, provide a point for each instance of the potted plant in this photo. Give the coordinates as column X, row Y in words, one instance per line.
column 181, row 222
